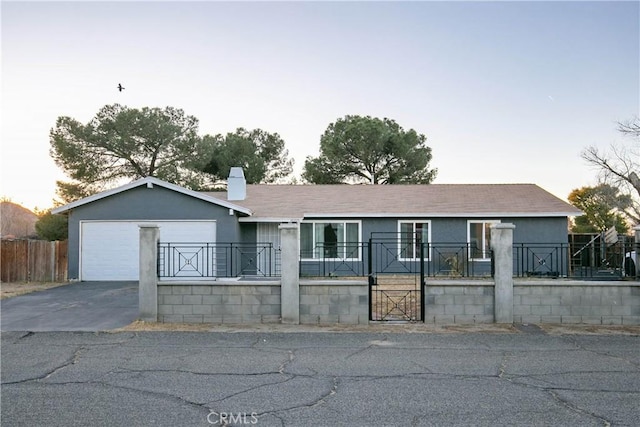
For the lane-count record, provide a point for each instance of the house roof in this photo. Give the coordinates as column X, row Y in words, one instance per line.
column 150, row 182
column 286, row 202
column 277, row 203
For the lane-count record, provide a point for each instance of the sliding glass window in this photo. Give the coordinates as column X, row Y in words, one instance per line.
column 333, row 240
column 411, row 235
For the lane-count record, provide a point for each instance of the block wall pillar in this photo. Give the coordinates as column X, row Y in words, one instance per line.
column 502, row 245
column 148, row 282
column 290, row 273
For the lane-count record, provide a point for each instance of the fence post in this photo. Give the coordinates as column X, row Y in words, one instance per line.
column 637, row 249
column 53, row 246
column 148, row 282
column 290, row 273
column 502, row 245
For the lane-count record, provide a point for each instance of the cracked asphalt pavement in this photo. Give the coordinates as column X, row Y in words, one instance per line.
column 319, row 379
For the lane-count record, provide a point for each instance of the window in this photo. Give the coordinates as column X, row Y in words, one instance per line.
column 321, row 240
column 479, row 238
column 412, row 235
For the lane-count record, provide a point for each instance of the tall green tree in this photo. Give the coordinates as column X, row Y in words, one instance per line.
column 357, row 149
column 52, row 227
column 262, row 156
column 603, row 208
column 122, row 143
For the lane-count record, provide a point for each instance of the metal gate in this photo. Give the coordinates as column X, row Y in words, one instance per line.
column 594, row 256
column 396, row 299
column 395, row 265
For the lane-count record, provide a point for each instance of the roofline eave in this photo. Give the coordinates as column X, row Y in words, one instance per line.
column 255, row 219
column 279, row 220
column 151, row 181
column 444, row 215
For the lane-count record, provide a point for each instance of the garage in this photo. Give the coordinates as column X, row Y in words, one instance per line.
column 104, row 229
column 109, row 250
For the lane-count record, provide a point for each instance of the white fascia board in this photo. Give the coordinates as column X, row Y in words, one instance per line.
column 153, row 181
column 443, row 215
column 268, row 219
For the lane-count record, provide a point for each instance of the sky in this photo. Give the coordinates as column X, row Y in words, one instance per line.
column 505, row 91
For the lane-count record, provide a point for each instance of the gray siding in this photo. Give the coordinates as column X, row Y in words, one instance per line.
column 547, row 230
column 249, row 233
column 454, row 230
column 158, row 203
column 540, row 230
column 449, row 230
column 142, row 204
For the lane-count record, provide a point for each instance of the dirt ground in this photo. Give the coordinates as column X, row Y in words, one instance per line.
column 557, row 329
column 388, row 327
column 378, row 327
column 12, row 289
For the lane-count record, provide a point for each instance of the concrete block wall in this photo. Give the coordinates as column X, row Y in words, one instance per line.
column 446, row 302
column 334, row 301
column 500, row 300
column 459, row 302
column 535, row 301
column 576, row 302
column 234, row 302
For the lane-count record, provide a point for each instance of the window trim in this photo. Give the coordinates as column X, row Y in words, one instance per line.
column 485, row 255
column 332, row 221
column 416, row 257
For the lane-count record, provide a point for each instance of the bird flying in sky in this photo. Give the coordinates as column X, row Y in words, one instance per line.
column 120, row 87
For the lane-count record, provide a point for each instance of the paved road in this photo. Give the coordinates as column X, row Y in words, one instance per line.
column 83, row 306
column 319, row 379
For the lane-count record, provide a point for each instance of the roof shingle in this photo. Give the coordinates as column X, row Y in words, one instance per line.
column 433, row 200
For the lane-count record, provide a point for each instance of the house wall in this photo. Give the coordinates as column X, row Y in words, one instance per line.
column 142, row 204
column 547, row 230
column 454, row 230
column 540, row 230
column 249, row 232
column 528, row 230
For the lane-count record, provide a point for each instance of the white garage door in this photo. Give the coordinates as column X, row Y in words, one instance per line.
column 109, row 250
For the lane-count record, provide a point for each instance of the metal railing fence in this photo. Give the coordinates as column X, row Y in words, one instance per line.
column 205, row 259
column 391, row 256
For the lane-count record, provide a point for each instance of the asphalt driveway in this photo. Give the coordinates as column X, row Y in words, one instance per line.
column 83, row 306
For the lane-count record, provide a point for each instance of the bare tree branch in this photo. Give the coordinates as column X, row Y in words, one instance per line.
column 620, row 166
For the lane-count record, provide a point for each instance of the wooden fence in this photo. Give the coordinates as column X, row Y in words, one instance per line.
column 33, row 261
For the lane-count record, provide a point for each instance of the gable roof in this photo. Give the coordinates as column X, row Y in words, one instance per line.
column 286, row 202
column 151, row 181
